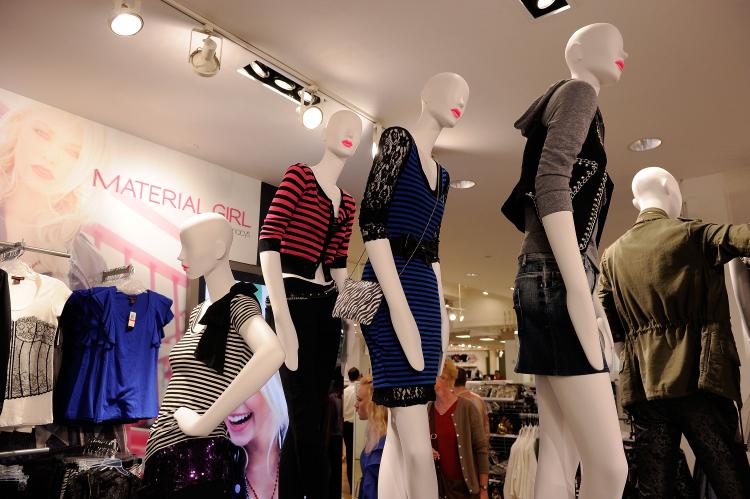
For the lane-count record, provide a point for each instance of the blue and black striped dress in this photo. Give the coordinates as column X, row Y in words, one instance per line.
column 407, row 208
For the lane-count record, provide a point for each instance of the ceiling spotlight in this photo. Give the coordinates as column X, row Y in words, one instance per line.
column 259, row 70
column 461, row 318
column 204, row 58
column 283, row 84
column 463, row 184
column 471, row 274
column 486, row 339
column 502, row 352
column 452, row 316
column 485, row 293
column 645, row 144
column 463, row 336
column 539, row 8
column 312, row 117
column 126, row 19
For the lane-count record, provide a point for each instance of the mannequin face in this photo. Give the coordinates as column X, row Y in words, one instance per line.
column 444, row 97
column 206, row 239
column 597, row 49
column 655, row 187
column 343, row 133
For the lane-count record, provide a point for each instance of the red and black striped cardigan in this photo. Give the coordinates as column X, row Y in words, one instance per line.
column 300, row 225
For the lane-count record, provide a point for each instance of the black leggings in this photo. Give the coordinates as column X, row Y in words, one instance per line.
column 709, row 423
column 304, row 469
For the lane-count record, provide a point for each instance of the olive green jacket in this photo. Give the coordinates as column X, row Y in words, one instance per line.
column 662, row 288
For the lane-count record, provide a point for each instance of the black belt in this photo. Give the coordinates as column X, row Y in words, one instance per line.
column 408, row 245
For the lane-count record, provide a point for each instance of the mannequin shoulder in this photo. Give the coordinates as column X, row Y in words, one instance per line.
column 574, row 94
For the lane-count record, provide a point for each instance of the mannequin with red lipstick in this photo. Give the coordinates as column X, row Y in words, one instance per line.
column 400, row 219
column 561, row 204
column 303, row 247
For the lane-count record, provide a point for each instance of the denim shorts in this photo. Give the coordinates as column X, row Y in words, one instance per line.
column 548, row 344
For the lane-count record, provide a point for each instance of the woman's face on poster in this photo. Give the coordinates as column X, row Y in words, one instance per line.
column 47, row 152
column 250, row 420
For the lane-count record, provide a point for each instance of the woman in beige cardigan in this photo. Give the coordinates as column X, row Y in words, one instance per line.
column 460, row 444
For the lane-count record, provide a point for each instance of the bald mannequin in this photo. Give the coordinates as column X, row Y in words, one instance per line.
column 655, row 187
column 407, row 456
column 206, row 241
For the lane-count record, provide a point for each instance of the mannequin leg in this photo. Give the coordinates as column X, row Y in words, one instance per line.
column 558, row 454
column 412, row 438
column 588, row 408
column 391, row 464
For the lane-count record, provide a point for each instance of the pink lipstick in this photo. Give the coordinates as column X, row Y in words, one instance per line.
column 456, row 112
column 185, row 267
column 42, row 172
column 347, row 143
column 620, row 64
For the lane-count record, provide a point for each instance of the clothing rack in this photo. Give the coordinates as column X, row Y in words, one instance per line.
column 118, row 272
column 20, row 247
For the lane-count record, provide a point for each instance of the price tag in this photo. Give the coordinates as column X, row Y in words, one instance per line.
column 131, row 320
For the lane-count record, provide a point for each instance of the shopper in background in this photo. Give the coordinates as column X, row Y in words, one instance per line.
column 259, row 425
column 459, row 441
column 461, row 391
column 376, row 416
column 350, row 397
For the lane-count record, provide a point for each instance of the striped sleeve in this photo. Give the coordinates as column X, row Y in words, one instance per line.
column 242, row 309
column 282, row 208
column 344, row 234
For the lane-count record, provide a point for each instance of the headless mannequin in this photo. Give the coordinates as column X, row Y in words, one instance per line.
column 206, row 239
column 341, row 137
column 407, row 456
column 578, row 416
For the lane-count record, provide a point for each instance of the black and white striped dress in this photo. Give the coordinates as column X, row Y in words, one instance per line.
column 195, row 385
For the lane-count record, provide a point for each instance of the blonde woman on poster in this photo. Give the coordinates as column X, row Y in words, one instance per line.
column 259, row 426
column 46, row 159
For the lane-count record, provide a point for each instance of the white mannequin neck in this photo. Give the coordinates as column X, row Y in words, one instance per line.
column 588, row 78
column 219, row 280
column 425, row 133
column 328, row 169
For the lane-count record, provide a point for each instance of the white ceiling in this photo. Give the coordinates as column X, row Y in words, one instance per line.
column 686, row 81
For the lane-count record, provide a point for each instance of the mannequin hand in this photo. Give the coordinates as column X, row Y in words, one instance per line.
column 435, row 455
column 583, row 316
column 287, row 334
column 189, row 422
column 408, row 335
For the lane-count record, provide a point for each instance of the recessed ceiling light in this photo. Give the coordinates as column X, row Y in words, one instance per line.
column 645, row 144
column 126, row 19
column 463, row 336
column 486, row 339
column 485, row 293
column 284, row 85
column 259, row 70
column 471, row 274
column 463, row 184
column 539, row 8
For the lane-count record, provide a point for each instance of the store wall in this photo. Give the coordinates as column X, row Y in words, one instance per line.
column 110, row 198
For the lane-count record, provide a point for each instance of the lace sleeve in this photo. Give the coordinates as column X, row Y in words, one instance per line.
column 444, row 187
column 392, row 150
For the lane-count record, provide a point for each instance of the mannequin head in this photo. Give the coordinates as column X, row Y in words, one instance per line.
column 655, row 187
column 596, row 51
column 444, row 97
column 206, row 239
column 343, row 134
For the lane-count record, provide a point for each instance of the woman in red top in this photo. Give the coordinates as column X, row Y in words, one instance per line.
column 460, row 444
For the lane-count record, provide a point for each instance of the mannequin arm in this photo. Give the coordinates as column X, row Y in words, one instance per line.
column 445, row 324
column 561, row 234
column 266, row 360
column 381, row 257
column 740, row 278
column 339, row 276
column 270, row 263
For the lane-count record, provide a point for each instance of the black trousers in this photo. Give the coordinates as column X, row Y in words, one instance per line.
column 709, row 423
column 304, row 471
column 349, row 443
